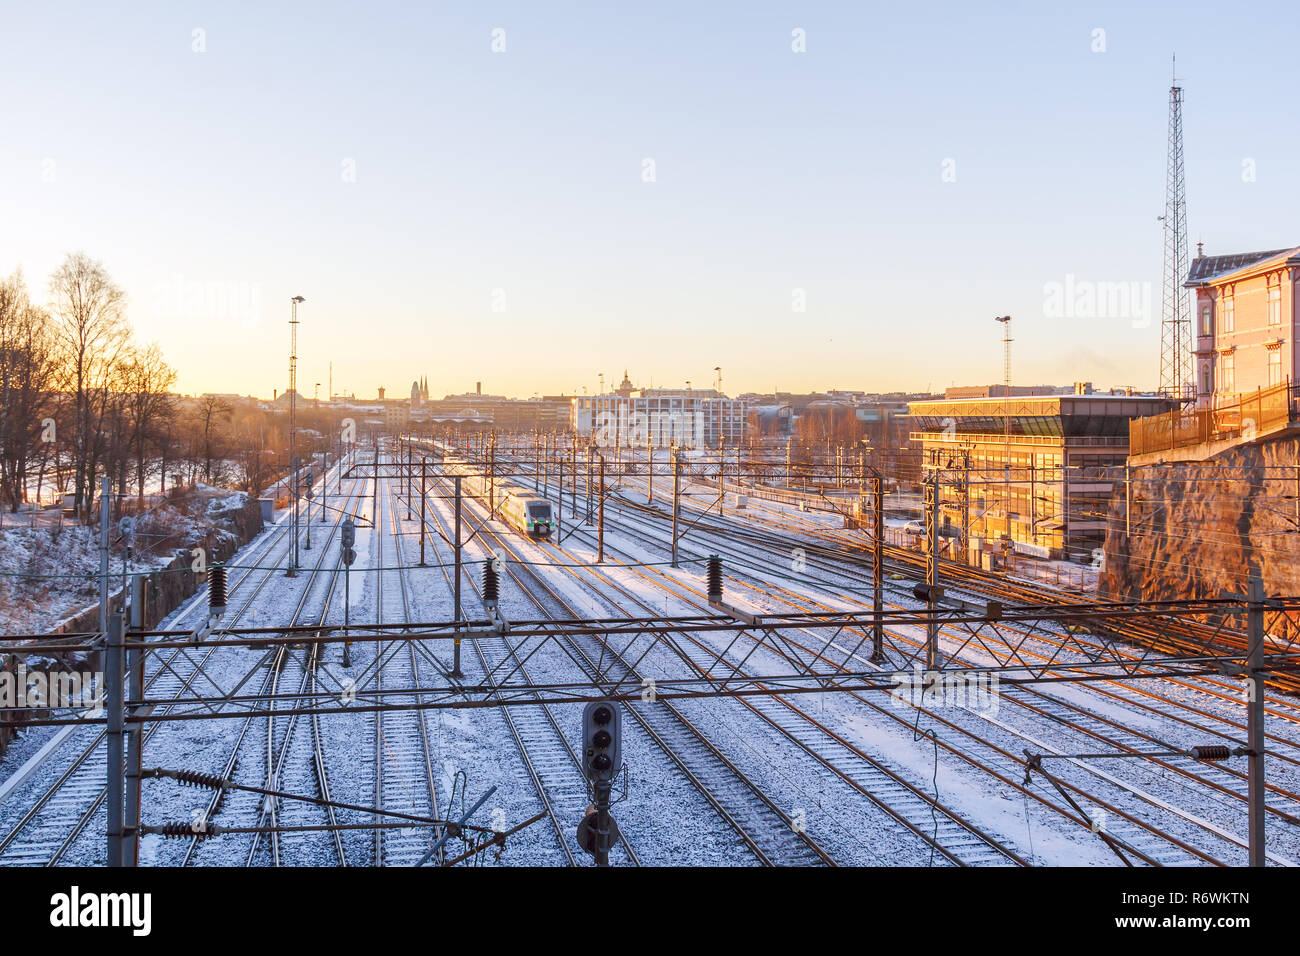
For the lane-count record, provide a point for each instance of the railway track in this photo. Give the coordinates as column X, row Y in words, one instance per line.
column 942, row 829
column 548, row 758
column 768, row 831
column 404, row 777
column 1145, row 839
column 274, row 737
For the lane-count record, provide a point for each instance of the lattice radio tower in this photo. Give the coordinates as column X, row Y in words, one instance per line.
column 1176, row 326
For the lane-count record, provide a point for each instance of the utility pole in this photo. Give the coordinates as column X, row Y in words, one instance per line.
column 1006, row 416
column 600, row 529
column 293, row 422
column 105, row 502
column 135, row 732
column 878, row 569
column 1255, row 714
column 116, row 785
column 559, row 503
column 965, row 501
column 492, row 477
column 424, row 478
column 590, row 483
column 932, row 568
column 650, row 468
column 677, row 480
column 455, row 670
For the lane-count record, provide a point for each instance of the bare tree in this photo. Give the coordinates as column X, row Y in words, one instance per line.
column 92, row 334
column 210, row 413
column 146, row 380
column 26, row 371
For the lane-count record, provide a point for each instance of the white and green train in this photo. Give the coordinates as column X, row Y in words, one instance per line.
column 521, row 510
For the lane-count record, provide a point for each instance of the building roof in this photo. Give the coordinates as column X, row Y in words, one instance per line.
column 1047, row 415
column 1210, row 268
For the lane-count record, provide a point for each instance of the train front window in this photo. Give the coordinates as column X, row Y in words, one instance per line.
column 539, row 512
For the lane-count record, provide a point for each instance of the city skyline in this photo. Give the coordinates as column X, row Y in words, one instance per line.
column 566, row 191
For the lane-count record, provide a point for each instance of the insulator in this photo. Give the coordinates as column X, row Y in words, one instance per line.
column 715, row 579
column 193, row 778
column 491, row 582
column 217, row 590
column 1211, row 752
column 183, row 830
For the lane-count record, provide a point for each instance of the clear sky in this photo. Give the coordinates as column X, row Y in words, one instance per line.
column 466, row 213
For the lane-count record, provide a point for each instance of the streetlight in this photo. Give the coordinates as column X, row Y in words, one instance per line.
column 293, row 421
column 1006, row 417
column 718, row 369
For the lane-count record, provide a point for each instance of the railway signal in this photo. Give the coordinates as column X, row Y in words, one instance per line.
column 602, row 746
column 310, row 494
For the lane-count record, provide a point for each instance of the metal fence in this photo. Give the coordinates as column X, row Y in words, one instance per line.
column 1250, row 414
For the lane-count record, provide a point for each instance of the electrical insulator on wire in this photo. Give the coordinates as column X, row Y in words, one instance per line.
column 491, row 582
column 715, row 579
column 216, row 590
column 1211, row 752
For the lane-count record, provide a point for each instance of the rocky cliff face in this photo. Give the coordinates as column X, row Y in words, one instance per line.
column 1193, row 529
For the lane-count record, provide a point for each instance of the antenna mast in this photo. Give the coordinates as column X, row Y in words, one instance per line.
column 1176, row 323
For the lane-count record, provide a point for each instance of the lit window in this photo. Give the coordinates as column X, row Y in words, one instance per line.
column 1275, row 367
column 1229, row 315
column 1228, row 372
column 1275, row 305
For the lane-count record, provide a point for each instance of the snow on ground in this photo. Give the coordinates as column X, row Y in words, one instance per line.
column 50, row 572
column 665, row 818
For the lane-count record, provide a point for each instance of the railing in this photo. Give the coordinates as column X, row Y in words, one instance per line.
column 1253, row 413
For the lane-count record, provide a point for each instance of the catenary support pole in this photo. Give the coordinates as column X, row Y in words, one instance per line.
column 878, row 570
column 600, row 530
column 424, row 482
column 932, row 567
column 114, row 674
column 105, row 501
column 1255, row 715
column 677, row 481
column 455, row 670
column 134, row 730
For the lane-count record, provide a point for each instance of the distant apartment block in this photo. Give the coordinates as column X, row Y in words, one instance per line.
column 662, row 417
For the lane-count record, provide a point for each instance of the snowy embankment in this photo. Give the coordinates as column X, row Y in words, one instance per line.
column 49, row 574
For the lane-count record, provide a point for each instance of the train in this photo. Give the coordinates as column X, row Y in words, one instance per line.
column 522, row 511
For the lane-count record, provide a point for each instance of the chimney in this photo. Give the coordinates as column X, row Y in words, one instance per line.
column 478, row 388
column 1200, row 250
column 381, row 393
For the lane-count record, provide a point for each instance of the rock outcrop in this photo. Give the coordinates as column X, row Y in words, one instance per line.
column 1192, row 529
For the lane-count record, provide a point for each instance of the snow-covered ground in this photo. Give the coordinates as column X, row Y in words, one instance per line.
column 820, row 759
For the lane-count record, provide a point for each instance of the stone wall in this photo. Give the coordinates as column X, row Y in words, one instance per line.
column 1195, row 527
